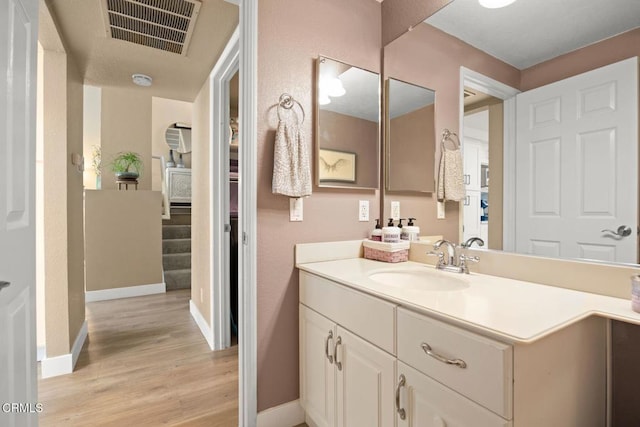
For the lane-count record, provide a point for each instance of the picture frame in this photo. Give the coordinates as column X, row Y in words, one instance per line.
column 336, row 166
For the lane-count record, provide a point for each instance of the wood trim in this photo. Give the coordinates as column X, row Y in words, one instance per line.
column 288, row 414
column 202, row 323
column 124, row 292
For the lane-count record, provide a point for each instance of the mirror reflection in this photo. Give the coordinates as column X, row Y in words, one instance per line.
column 548, row 169
column 347, row 132
column 410, row 136
column 178, row 137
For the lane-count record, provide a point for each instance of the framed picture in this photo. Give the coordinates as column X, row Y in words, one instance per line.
column 337, row 166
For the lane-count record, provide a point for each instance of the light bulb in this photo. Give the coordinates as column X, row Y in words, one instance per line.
column 323, row 99
column 495, row 4
column 335, row 87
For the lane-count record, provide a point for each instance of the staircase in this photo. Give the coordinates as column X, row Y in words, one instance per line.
column 176, row 249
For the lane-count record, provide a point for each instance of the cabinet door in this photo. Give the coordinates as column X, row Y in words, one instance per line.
column 317, row 376
column 471, row 155
column 427, row 403
column 472, row 212
column 365, row 383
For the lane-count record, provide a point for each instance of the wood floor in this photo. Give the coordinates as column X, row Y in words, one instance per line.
column 145, row 364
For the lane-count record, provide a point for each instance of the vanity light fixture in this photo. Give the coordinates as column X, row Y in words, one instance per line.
column 323, row 98
column 335, row 87
column 495, row 4
column 142, row 80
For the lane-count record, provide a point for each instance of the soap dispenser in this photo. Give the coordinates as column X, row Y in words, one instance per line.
column 410, row 232
column 390, row 233
column 376, row 234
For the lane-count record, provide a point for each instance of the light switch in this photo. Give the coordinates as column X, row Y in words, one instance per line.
column 295, row 209
column 440, row 211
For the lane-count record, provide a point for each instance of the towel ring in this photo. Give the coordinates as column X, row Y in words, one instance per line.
column 287, row 102
column 447, row 136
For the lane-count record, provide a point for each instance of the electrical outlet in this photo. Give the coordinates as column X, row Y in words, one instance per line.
column 295, row 209
column 440, row 212
column 363, row 211
column 395, row 210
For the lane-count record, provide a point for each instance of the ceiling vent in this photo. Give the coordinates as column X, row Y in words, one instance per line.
column 161, row 24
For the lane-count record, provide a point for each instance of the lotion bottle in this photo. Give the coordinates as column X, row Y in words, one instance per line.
column 376, row 234
column 390, row 233
column 410, row 232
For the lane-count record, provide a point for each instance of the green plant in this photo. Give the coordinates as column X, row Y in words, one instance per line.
column 127, row 162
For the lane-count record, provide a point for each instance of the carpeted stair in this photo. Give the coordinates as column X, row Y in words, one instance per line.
column 176, row 249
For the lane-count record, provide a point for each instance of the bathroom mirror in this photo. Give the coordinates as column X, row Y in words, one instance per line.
column 410, row 137
column 563, row 40
column 347, row 125
column 178, row 137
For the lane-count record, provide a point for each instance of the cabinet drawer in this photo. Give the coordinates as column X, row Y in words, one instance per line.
column 487, row 377
column 428, row 403
column 364, row 315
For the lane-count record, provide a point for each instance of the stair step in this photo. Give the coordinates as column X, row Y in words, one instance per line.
column 178, row 279
column 174, row 246
column 176, row 261
column 176, row 231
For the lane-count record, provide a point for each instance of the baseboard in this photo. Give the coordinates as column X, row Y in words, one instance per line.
column 64, row 364
column 202, row 323
column 286, row 415
column 126, row 292
column 41, row 353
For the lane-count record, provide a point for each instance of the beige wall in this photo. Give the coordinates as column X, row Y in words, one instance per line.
column 201, row 212
column 347, row 133
column 123, row 238
column 412, row 142
column 125, row 126
column 430, row 58
column 350, row 32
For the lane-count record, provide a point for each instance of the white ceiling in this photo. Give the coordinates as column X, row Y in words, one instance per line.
column 405, row 98
column 361, row 98
column 528, row 32
column 108, row 62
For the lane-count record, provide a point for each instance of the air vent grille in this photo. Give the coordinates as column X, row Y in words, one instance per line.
column 161, row 24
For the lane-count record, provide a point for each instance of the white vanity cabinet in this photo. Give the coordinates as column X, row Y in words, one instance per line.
column 345, row 381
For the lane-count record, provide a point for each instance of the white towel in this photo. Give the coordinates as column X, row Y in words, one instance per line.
column 291, row 166
column 450, row 179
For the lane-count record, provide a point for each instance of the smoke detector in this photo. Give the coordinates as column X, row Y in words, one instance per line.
column 142, row 80
column 160, row 24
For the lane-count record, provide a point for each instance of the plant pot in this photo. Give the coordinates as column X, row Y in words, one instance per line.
column 127, row 175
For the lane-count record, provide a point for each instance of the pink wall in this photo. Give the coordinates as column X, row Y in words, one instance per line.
column 292, row 34
column 431, row 58
column 612, row 50
column 399, row 15
column 347, row 133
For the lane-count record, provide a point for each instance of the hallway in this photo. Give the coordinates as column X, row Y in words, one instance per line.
column 145, row 363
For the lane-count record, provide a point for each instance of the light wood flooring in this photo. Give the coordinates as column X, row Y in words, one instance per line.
column 145, row 364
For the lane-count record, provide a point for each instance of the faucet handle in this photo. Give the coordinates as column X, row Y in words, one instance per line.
column 440, row 256
column 464, row 259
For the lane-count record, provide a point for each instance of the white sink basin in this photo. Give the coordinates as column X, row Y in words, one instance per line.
column 420, row 279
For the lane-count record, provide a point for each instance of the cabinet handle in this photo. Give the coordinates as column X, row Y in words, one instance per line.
column 458, row 362
column 401, row 412
column 335, row 353
column 326, row 347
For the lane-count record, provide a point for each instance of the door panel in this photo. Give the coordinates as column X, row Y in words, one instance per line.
column 576, row 165
column 18, row 55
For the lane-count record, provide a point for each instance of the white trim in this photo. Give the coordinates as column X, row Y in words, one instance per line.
column 288, row 414
column 220, row 76
column 64, row 364
column 248, row 213
column 41, row 353
column 202, row 323
column 484, row 84
column 125, row 292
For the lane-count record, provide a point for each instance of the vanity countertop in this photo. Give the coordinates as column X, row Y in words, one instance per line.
column 512, row 310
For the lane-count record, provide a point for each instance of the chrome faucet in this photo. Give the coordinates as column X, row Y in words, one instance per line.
column 470, row 241
column 453, row 263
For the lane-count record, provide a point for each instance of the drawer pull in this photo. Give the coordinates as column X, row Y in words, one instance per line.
column 401, row 412
column 458, row 362
column 326, row 347
column 335, row 353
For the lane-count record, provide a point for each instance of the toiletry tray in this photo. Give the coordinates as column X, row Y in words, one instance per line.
column 386, row 252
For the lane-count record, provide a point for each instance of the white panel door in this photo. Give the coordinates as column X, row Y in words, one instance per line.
column 576, row 166
column 18, row 56
column 427, row 403
column 365, row 383
column 317, row 376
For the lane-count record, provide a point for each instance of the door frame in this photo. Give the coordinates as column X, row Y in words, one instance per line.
column 484, row 84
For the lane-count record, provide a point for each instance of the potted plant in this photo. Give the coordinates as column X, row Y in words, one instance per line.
column 127, row 165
